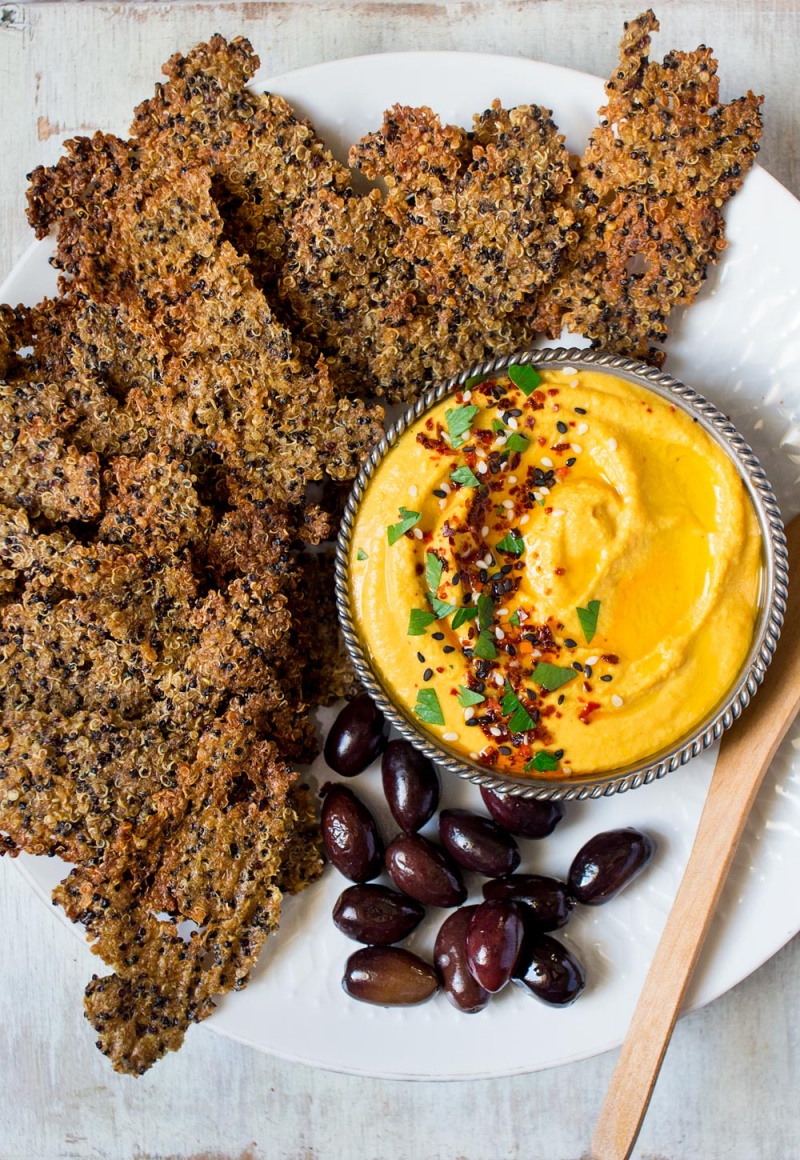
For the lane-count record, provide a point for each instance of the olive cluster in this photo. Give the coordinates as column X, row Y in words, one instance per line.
column 479, row 948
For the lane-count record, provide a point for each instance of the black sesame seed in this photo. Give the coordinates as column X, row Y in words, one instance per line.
column 448, row 648
column 572, row 461
column 504, row 749
column 559, row 753
column 438, row 635
column 606, row 677
column 577, row 666
column 587, row 671
column 437, row 491
column 483, row 575
column 570, row 643
column 516, row 412
column 473, row 721
column 562, row 427
column 421, row 658
column 504, row 571
column 579, row 411
column 426, row 676
column 561, row 699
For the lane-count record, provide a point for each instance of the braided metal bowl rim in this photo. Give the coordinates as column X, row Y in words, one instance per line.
column 765, row 636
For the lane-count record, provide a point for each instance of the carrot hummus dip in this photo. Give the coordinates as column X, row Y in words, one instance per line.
column 556, row 572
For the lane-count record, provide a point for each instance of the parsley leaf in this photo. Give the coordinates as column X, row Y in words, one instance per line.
column 466, row 697
column 441, row 607
column 513, row 543
column 433, row 572
column 514, row 619
column 419, row 620
column 543, row 762
column 552, row 677
column 407, row 521
column 428, row 708
column 474, row 380
column 484, row 646
column 465, row 476
column 465, row 613
column 361, row 554
column 526, row 378
column 513, row 707
column 497, row 425
column 517, row 442
column 485, row 611
column 588, row 618
column 459, row 422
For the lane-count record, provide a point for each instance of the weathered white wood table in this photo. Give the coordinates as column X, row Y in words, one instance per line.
column 729, row 1087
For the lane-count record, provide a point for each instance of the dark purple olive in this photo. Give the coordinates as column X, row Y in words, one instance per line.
column 411, row 785
column 450, row 957
column 607, row 863
column 356, row 737
column 424, row 872
column 478, row 843
column 350, row 834
column 549, row 971
column 389, row 977
column 525, row 817
column 549, row 903
column 494, row 939
column 376, row 914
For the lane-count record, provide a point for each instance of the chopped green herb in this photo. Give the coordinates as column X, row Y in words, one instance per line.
column 484, row 646
column 361, row 554
column 497, row 425
column 513, row 544
column 526, row 378
column 517, row 442
column 552, row 677
column 407, row 521
column 543, row 762
column 466, row 476
column 419, row 620
column 540, row 502
column 485, row 611
column 441, row 607
column 514, row 619
column 465, row 613
column 428, row 708
column 466, row 697
column 459, row 422
column 588, row 618
column 513, row 708
column 433, row 572
column 474, row 381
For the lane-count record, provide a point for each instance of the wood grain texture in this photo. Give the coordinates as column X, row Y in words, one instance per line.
column 744, row 757
column 73, row 67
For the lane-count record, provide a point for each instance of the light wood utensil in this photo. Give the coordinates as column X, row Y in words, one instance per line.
column 745, row 754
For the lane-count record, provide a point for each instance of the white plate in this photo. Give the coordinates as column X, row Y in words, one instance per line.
column 740, row 345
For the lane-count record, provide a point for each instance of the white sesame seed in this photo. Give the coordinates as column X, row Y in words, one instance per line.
column 616, row 700
column 495, row 732
column 442, row 504
column 512, row 422
column 612, row 445
column 538, row 495
column 582, row 428
column 557, row 512
column 567, row 769
column 535, row 652
column 512, row 479
column 482, row 467
column 508, row 503
column 418, row 533
column 485, row 530
column 574, row 383
column 450, row 737
column 501, row 439
column 502, row 612
column 547, row 462
column 523, row 521
column 577, row 448
column 498, row 678
column 467, row 396
column 413, row 489
column 474, row 756
column 445, row 487
column 568, row 371
column 480, row 453
column 498, row 632
column 469, row 713
column 510, row 514
column 591, row 660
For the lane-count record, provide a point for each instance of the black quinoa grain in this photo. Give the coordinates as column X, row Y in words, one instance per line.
column 580, row 411
column 561, row 699
column 562, row 427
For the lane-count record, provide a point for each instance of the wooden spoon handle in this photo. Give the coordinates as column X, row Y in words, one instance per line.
column 745, row 754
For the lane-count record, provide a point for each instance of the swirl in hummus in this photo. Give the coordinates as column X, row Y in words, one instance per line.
column 556, row 575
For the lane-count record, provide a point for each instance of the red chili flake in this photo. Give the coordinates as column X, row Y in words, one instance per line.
column 587, row 710
column 559, row 447
column 562, row 472
column 553, row 391
column 440, row 669
column 541, row 441
column 611, row 658
column 560, row 571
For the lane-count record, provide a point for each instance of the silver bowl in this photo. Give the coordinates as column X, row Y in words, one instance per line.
column 765, row 636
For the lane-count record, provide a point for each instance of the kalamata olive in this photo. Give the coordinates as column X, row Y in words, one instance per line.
column 376, row 914
column 424, row 872
column 350, row 834
column 548, row 970
column 548, row 901
column 494, row 939
column 356, row 737
column 525, row 817
column 389, row 977
column 411, row 785
column 478, row 843
column 450, row 957
column 607, row 863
